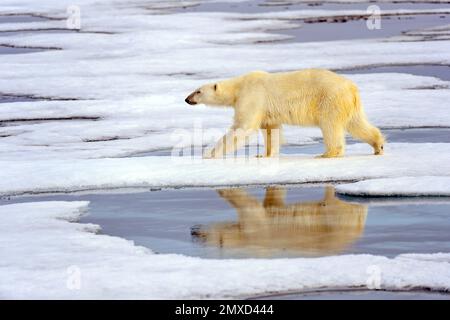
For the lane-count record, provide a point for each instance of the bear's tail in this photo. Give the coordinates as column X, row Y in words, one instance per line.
column 360, row 128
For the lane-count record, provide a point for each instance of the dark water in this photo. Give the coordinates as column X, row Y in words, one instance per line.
column 18, row 18
column 267, row 222
column 357, row 29
column 439, row 71
column 261, row 6
column 15, row 50
column 11, row 33
column 13, row 98
column 351, row 29
column 360, row 295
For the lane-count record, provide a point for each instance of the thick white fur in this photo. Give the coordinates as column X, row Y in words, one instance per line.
column 311, row 97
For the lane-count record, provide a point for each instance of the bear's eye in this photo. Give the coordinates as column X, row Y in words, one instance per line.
column 215, row 87
column 197, row 92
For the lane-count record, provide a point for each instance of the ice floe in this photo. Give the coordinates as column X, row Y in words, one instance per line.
column 401, row 159
column 46, row 254
column 134, row 79
column 402, row 186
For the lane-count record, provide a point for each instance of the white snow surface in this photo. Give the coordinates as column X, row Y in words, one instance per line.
column 401, row 159
column 401, row 186
column 43, row 248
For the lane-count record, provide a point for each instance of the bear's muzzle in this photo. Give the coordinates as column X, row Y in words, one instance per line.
column 190, row 99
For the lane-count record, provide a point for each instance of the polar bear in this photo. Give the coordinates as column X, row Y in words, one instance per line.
column 310, row 97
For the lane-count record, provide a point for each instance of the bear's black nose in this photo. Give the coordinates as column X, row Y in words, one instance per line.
column 188, row 101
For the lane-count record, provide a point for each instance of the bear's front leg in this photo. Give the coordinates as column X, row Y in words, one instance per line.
column 272, row 140
column 229, row 143
column 247, row 121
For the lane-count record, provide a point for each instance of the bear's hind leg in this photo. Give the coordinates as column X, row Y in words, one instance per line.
column 361, row 129
column 334, row 140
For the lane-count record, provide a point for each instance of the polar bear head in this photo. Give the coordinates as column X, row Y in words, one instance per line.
column 213, row 94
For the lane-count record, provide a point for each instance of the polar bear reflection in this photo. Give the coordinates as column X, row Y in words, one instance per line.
column 269, row 227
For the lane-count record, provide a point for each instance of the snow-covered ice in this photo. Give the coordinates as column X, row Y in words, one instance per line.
column 402, row 186
column 46, row 256
column 401, row 159
column 135, row 79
